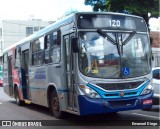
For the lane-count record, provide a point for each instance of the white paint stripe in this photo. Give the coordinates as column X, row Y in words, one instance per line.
column 0, row 103
column 145, row 115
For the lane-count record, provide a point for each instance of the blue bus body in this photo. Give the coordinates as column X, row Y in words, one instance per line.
column 88, row 63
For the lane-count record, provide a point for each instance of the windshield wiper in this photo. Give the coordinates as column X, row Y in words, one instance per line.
column 114, row 42
column 103, row 34
column 128, row 38
column 118, row 42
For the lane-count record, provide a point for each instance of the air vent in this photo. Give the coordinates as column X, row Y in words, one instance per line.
column 130, row 93
column 119, row 86
column 123, row 103
column 111, row 95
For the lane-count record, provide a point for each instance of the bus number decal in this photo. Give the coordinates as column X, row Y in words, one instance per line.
column 115, row 23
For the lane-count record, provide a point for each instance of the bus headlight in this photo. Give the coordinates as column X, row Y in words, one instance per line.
column 89, row 91
column 148, row 89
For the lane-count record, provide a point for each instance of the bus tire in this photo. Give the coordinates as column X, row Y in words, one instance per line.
column 54, row 105
column 18, row 101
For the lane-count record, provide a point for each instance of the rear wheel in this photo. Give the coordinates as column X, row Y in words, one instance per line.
column 18, row 101
column 54, row 106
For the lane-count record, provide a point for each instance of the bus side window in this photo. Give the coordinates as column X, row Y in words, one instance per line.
column 37, row 51
column 52, row 48
column 47, row 47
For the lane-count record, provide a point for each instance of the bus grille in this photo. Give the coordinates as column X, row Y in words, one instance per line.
column 117, row 95
column 120, row 86
column 123, row 103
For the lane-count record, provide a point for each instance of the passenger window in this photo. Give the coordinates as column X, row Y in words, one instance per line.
column 52, row 47
column 38, row 51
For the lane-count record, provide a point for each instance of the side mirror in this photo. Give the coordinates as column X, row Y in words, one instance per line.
column 74, row 44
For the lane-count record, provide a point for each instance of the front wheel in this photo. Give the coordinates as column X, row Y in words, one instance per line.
column 55, row 107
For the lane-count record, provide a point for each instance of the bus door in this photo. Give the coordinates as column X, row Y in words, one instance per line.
column 25, row 66
column 10, row 80
column 70, row 78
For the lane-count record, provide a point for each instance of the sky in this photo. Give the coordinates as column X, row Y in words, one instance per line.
column 154, row 24
column 47, row 10
column 39, row 9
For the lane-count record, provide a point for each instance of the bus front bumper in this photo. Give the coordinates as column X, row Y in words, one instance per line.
column 88, row 106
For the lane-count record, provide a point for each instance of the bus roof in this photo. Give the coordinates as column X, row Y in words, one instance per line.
column 111, row 13
column 57, row 24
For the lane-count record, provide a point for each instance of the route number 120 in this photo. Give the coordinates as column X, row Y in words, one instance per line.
column 115, row 23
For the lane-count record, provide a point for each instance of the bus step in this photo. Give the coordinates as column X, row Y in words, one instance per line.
column 27, row 101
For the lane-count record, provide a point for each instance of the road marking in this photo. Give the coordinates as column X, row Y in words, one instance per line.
column 0, row 103
column 145, row 115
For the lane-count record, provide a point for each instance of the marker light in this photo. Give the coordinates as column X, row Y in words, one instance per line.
column 89, row 91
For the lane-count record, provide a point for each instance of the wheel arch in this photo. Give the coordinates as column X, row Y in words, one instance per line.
column 50, row 89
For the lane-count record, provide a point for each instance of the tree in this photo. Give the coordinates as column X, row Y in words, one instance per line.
column 135, row 7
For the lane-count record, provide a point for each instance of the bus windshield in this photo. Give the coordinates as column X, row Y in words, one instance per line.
column 100, row 57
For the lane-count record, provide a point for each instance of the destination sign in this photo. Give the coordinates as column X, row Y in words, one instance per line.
column 111, row 22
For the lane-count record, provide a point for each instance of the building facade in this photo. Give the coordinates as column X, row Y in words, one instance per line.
column 11, row 31
column 155, row 48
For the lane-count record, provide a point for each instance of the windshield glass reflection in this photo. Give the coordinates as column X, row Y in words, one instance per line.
column 100, row 58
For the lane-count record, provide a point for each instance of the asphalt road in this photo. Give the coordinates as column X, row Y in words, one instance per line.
column 10, row 111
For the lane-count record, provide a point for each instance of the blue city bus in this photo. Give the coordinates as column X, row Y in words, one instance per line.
column 88, row 63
